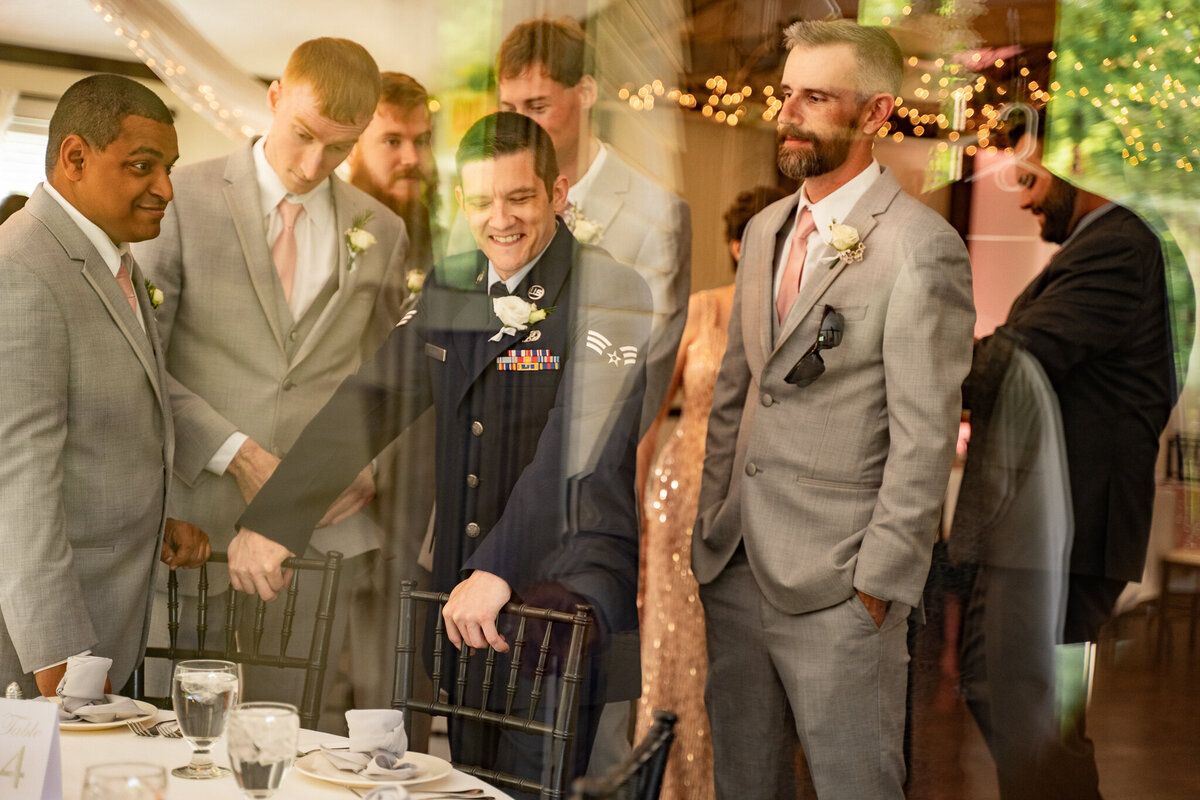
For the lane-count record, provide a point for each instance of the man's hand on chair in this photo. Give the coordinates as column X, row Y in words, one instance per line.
column 184, row 545
column 255, row 565
column 471, row 611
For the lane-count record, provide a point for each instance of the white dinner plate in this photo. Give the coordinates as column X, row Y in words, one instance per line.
column 148, row 712
column 429, row 768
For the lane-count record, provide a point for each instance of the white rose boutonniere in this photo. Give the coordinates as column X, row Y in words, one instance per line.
column 415, row 279
column 515, row 315
column 586, row 231
column 358, row 239
column 154, row 293
column 844, row 239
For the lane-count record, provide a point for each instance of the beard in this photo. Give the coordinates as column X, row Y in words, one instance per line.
column 1057, row 210
column 825, row 155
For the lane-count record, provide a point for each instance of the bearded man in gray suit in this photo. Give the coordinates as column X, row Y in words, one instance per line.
column 85, row 425
column 274, row 292
column 830, row 441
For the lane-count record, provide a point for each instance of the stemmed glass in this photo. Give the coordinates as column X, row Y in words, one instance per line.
column 203, row 693
column 261, row 739
column 128, row 781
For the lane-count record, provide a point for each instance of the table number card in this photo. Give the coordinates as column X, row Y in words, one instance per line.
column 30, row 759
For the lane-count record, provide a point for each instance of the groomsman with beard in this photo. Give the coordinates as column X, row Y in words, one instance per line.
column 833, row 426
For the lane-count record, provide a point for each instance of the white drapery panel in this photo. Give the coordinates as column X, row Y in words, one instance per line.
column 196, row 71
column 8, row 102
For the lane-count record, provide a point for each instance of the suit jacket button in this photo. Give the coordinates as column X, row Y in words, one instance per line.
column 477, row 428
column 751, row 469
column 767, row 399
column 288, row 385
column 473, row 530
column 292, row 336
column 473, row 481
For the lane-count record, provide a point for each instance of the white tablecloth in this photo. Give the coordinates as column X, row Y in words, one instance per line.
column 83, row 749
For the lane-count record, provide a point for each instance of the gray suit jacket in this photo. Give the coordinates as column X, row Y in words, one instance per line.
column 237, row 360
column 85, row 430
column 838, row 485
column 644, row 226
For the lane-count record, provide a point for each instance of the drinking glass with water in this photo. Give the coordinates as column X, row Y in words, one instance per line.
column 203, row 693
column 261, row 739
column 130, row 781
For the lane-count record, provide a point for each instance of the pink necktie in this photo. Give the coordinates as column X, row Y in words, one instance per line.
column 126, row 284
column 283, row 252
column 789, row 286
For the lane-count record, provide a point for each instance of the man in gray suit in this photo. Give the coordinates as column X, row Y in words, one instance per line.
column 543, row 71
column 832, row 432
column 85, row 425
column 279, row 280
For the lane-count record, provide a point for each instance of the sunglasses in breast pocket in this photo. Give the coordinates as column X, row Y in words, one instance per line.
column 811, row 366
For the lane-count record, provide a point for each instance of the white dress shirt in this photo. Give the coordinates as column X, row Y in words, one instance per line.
column 110, row 252
column 834, row 208
column 316, row 239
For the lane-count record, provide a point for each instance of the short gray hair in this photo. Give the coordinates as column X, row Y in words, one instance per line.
column 880, row 63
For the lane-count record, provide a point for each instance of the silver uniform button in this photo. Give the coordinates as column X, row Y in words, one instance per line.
column 473, row 481
column 477, row 428
column 473, row 530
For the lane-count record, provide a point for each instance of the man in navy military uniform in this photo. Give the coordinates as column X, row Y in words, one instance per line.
column 531, row 350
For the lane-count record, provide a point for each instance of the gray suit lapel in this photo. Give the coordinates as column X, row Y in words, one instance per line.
column 343, row 216
column 862, row 217
column 104, row 284
column 242, row 197
column 101, row 279
column 606, row 197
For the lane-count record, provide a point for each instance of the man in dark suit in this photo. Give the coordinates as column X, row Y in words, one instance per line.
column 532, row 352
column 1096, row 319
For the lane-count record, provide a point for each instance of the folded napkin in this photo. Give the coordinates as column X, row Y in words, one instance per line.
column 82, row 693
column 389, row 791
column 377, row 746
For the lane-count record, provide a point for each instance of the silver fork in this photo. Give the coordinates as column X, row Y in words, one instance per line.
column 140, row 728
column 169, row 732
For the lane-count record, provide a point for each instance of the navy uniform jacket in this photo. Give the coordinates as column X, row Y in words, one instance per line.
column 536, row 432
column 1096, row 320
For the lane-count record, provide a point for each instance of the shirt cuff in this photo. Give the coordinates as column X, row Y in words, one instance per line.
column 60, row 663
column 225, row 453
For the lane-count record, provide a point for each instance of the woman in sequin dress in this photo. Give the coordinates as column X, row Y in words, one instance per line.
column 674, row 661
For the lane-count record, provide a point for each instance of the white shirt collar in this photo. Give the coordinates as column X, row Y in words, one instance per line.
column 110, row 252
column 838, row 205
column 515, row 281
column 1089, row 218
column 318, row 204
column 579, row 192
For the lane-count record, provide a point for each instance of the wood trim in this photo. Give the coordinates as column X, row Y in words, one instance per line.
column 83, row 63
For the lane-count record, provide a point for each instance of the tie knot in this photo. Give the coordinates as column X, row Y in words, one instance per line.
column 499, row 289
column 288, row 212
column 806, row 224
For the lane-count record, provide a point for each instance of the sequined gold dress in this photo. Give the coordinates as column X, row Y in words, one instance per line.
column 674, row 660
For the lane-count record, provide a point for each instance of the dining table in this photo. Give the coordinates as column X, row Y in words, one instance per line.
column 84, row 748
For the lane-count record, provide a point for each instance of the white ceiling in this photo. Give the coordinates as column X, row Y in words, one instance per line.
column 416, row 36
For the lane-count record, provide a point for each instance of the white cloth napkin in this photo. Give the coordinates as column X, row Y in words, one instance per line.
column 377, row 746
column 82, row 693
